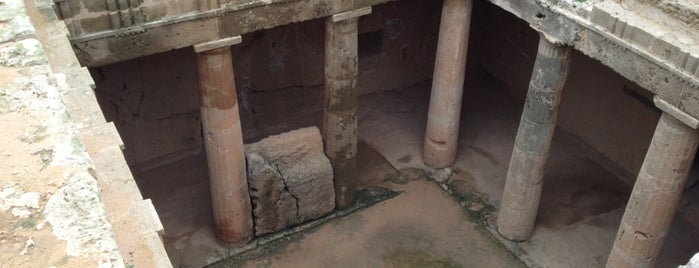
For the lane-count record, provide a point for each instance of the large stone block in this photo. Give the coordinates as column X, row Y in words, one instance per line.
column 290, row 180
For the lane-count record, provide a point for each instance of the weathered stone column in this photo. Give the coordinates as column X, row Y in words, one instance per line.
column 224, row 142
column 520, row 199
column 444, row 116
column 657, row 192
column 340, row 117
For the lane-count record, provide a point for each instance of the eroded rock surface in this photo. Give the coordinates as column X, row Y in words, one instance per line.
column 290, row 180
column 51, row 209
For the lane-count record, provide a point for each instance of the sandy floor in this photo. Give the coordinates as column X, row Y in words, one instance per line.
column 422, row 227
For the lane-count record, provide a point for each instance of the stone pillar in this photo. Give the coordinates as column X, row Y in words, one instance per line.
column 444, row 116
column 224, row 142
column 340, row 114
column 520, row 199
column 657, row 192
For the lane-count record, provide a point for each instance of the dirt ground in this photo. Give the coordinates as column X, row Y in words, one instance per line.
column 422, row 227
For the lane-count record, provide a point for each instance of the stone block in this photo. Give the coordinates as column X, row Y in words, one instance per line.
column 145, row 214
column 273, row 205
column 154, row 11
column 99, row 138
column 290, row 180
column 95, row 24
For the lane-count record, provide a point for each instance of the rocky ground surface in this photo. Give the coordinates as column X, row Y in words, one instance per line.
column 51, row 213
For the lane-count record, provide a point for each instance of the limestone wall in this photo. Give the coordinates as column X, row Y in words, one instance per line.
column 685, row 12
column 89, row 16
column 154, row 100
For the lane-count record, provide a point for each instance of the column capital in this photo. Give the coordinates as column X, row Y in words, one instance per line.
column 555, row 41
column 211, row 45
column 678, row 114
column 351, row 14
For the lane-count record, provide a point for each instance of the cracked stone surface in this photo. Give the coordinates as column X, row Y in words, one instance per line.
column 51, row 210
column 290, row 180
column 13, row 27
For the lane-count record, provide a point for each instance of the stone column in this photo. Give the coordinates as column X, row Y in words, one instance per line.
column 340, row 115
column 224, row 142
column 520, row 199
column 657, row 192
column 444, row 116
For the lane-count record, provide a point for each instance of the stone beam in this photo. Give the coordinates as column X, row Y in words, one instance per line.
column 168, row 33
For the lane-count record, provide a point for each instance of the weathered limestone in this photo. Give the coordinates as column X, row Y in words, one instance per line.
column 290, row 180
column 340, row 115
column 163, row 25
column 224, row 142
column 520, row 199
column 135, row 225
column 442, row 134
column 656, row 194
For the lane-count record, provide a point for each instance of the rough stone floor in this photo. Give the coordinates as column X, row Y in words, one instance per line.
column 581, row 207
column 51, row 214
